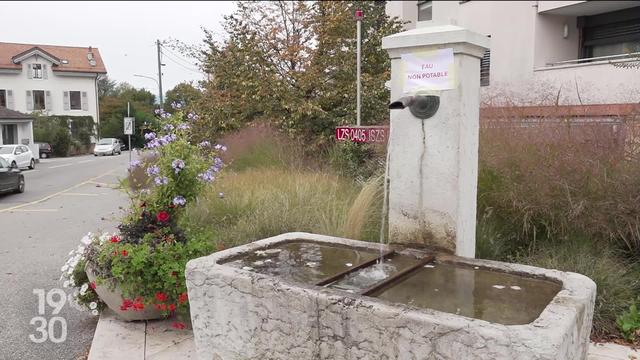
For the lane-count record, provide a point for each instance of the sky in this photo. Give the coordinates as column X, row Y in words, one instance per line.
column 124, row 32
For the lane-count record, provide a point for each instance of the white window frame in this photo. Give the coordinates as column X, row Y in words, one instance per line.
column 79, row 100
column 36, row 73
column 44, row 99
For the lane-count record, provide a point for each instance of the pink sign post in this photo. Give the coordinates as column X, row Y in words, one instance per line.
column 363, row 134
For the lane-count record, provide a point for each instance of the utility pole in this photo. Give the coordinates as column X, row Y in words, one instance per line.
column 359, row 15
column 129, row 135
column 159, row 72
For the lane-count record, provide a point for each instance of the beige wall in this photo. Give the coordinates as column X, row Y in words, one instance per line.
column 523, row 42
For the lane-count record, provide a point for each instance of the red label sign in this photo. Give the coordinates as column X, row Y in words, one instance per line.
column 365, row 134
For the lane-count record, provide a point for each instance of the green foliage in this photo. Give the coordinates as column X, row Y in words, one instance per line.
column 629, row 323
column 146, row 260
column 149, row 268
column 357, row 160
column 292, row 64
column 61, row 142
column 113, row 109
column 184, row 93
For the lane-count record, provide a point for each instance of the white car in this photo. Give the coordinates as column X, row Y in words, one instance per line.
column 107, row 146
column 18, row 156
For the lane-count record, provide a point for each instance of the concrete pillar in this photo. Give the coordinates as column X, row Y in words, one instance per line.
column 433, row 166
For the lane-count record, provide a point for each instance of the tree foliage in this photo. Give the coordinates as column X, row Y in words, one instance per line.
column 183, row 92
column 113, row 109
column 294, row 64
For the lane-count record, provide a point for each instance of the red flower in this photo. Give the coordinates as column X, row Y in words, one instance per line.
column 126, row 304
column 178, row 325
column 162, row 297
column 92, row 285
column 138, row 305
column 115, row 239
column 162, row 216
column 124, row 253
column 172, row 307
column 182, row 298
column 115, row 252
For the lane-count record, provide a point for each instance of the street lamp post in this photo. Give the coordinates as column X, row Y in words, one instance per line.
column 157, row 84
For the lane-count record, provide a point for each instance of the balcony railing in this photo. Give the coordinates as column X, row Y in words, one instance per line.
column 599, row 59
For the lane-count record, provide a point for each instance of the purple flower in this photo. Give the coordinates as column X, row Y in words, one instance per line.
column 190, row 115
column 167, row 139
column 134, row 164
column 177, row 104
column 165, row 115
column 161, row 180
column 153, row 170
column 177, row 165
column 206, row 176
column 150, row 136
column 153, row 144
column 179, row 201
column 196, row 117
column 204, row 144
column 157, row 111
column 168, row 127
column 183, row 126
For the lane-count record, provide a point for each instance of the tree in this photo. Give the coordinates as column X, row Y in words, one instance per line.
column 293, row 64
column 106, row 86
column 183, row 92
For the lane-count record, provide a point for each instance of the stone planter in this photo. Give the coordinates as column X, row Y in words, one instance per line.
column 113, row 299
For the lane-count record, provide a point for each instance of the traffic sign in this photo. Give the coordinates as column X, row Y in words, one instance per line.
column 128, row 125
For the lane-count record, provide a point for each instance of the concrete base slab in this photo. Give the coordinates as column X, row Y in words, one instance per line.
column 116, row 339
column 166, row 343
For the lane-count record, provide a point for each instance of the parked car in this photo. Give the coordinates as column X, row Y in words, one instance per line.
column 18, row 156
column 11, row 178
column 46, row 150
column 107, row 146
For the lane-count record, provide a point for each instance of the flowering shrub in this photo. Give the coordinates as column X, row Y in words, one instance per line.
column 146, row 260
column 74, row 275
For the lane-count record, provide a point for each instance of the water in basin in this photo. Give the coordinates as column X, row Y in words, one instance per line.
column 303, row 261
column 473, row 292
column 368, row 276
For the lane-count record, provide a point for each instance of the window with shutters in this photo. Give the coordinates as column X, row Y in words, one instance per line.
column 38, row 100
column 611, row 33
column 36, row 71
column 425, row 12
column 3, row 98
column 75, row 102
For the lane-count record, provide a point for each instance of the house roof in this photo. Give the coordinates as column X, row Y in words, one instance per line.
column 65, row 58
column 8, row 114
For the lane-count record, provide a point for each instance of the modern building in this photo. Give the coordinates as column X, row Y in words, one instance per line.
column 47, row 79
column 572, row 53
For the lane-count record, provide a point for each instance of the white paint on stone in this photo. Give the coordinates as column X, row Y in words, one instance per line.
column 238, row 314
column 433, row 165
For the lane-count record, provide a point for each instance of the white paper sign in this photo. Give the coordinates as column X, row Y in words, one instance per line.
column 429, row 70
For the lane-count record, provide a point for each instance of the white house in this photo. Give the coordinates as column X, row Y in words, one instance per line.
column 53, row 80
column 546, row 51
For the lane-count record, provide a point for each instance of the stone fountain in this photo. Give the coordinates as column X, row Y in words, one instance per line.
column 308, row 296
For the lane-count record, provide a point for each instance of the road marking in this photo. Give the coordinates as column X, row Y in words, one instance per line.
column 84, row 161
column 57, row 193
column 58, row 166
column 80, row 194
column 34, row 210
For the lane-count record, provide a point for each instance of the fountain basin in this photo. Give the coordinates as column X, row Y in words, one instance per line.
column 244, row 312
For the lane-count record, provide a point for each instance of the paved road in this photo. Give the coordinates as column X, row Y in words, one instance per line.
column 64, row 199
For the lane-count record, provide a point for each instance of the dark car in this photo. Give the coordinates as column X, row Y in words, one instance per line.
column 45, row 150
column 10, row 178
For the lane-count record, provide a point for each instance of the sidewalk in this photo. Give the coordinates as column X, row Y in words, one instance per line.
column 157, row 340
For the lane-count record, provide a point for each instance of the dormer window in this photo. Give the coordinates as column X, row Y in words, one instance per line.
column 37, row 71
